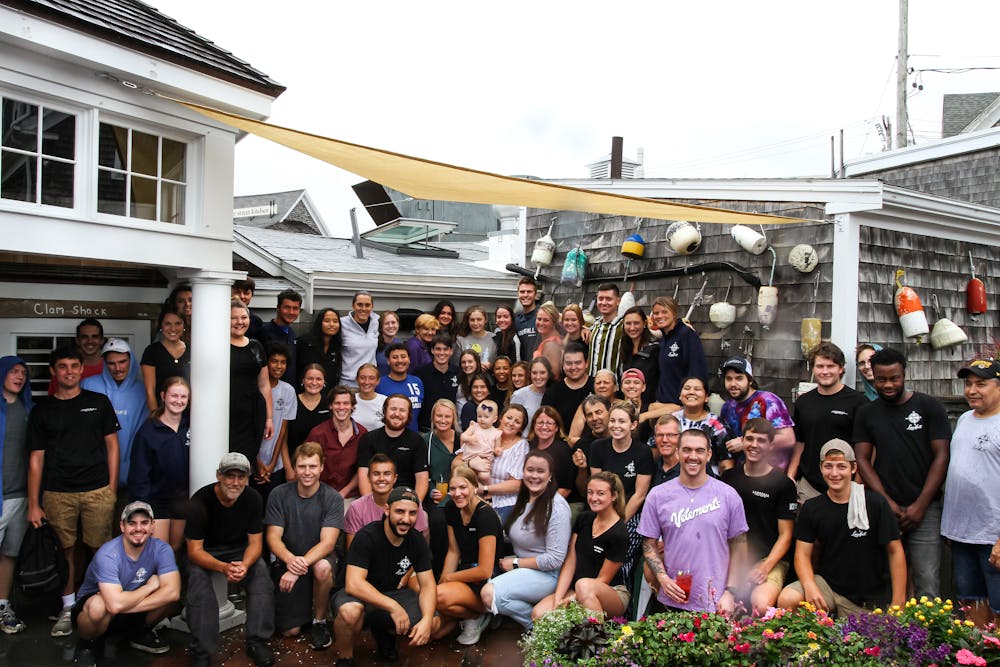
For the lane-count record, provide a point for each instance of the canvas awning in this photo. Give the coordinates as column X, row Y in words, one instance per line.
column 425, row 179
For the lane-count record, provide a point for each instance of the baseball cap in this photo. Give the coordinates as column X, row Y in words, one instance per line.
column 402, row 493
column 837, row 446
column 234, row 461
column 634, row 373
column 137, row 506
column 116, row 345
column 740, row 364
column 982, row 368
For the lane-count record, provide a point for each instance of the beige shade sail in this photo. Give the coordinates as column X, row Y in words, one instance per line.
column 426, row 179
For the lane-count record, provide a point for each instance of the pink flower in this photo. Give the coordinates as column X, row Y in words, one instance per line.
column 991, row 641
column 591, row 619
column 873, row 651
column 967, row 657
column 689, row 637
column 742, row 648
column 660, row 624
column 697, row 622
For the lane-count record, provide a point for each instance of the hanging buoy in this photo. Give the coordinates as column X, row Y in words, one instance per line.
column 545, row 248
column 803, row 258
column 812, row 327
column 975, row 293
column 634, row 246
column 749, row 240
column 767, row 305
column 683, row 237
column 723, row 313
column 909, row 310
column 945, row 332
column 574, row 268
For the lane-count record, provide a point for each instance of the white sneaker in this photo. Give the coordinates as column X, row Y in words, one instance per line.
column 63, row 626
column 472, row 629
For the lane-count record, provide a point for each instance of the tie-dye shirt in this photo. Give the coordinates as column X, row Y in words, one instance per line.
column 734, row 414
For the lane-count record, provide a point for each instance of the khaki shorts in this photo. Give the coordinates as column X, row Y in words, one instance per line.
column 777, row 575
column 837, row 603
column 93, row 509
column 805, row 490
column 622, row 591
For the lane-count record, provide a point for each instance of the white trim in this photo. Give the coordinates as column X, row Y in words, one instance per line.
column 987, row 118
column 136, row 332
column 845, row 294
column 939, row 148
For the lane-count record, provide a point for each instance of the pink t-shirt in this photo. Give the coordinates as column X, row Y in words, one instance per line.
column 364, row 510
column 483, row 440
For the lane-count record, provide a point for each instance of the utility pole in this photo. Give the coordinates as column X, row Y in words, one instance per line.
column 902, row 122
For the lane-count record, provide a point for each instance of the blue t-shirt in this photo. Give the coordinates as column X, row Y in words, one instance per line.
column 111, row 565
column 412, row 387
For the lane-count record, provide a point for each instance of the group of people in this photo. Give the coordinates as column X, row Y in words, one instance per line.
column 437, row 484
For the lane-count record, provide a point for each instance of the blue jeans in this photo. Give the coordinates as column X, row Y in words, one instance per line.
column 516, row 593
column 975, row 578
column 923, row 552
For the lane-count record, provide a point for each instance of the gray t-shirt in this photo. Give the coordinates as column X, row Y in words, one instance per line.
column 15, row 452
column 303, row 518
column 548, row 549
column 284, row 407
column 971, row 496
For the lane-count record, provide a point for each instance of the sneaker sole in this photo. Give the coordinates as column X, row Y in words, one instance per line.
column 468, row 641
column 13, row 630
column 152, row 650
column 61, row 633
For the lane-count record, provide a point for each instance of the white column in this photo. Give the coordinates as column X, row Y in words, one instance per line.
column 844, row 306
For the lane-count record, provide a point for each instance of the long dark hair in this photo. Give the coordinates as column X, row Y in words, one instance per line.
column 465, row 379
column 540, row 513
column 316, row 331
column 438, row 307
column 644, row 338
column 506, row 342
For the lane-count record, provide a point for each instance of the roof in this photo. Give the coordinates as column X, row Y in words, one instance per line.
column 145, row 29
column 307, row 219
column 958, row 110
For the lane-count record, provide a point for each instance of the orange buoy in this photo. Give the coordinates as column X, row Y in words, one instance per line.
column 975, row 293
column 909, row 310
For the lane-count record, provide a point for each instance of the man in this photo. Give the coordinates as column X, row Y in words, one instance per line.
column 122, row 383
column 399, row 381
column 828, row 412
column 861, row 553
column 666, row 436
column 14, row 411
column 339, row 438
column 381, row 554
column 970, row 519
column 370, row 507
column 770, row 504
column 902, row 444
column 73, row 440
column 606, row 334
column 224, row 534
column 404, row 446
column 280, row 329
column 524, row 322
column 567, row 395
column 304, row 519
column 701, row 523
column 243, row 290
column 597, row 413
column 440, row 379
column 272, row 458
column 745, row 402
column 130, row 586
column 89, row 340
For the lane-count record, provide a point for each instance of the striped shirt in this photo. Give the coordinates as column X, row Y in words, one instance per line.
column 605, row 344
column 509, row 465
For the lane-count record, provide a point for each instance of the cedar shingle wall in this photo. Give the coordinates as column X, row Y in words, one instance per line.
column 973, row 177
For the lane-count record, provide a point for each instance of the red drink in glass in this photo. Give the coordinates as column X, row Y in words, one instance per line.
column 684, row 582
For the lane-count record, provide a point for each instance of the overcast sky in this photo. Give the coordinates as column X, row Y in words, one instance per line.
column 714, row 89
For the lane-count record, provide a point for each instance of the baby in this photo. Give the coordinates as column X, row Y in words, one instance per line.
column 480, row 439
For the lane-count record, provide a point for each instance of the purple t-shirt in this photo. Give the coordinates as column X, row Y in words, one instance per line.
column 364, row 510
column 111, row 565
column 695, row 526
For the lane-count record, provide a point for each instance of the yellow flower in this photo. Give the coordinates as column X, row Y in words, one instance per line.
column 895, row 607
column 920, row 617
column 958, row 622
column 627, row 631
column 928, row 604
column 814, row 646
column 970, row 624
column 950, row 631
column 923, row 598
column 948, row 602
column 938, row 600
column 878, row 611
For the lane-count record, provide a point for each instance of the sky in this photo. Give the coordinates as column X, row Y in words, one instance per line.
column 706, row 89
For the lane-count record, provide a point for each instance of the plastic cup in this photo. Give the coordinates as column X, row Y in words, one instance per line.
column 683, row 580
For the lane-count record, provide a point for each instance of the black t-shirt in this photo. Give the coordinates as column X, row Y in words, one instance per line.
column 437, row 385
column 484, row 522
column 591, row 551
column 854, row 562
column 305, row 421
column 902, row 437
column 636, row 460
column 818, row 419
column 566, row 400
column 386, row 564
column 407, row 450
column 766, row 500
column 565, row 469
column 224, row 529
column 71, row 432
column 165, row 365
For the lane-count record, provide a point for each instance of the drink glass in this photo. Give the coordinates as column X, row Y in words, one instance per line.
column 683, row 580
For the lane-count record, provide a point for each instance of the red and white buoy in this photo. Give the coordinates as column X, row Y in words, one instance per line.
column 910, row 311
column 975, row 293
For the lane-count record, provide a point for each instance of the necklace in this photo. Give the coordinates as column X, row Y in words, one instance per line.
column 691, row 492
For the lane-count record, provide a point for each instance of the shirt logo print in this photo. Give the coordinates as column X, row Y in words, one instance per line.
column 674, row 349
column 914, row 420
column 403, row 566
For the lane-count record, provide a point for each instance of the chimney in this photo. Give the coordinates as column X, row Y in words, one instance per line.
column 616, row 157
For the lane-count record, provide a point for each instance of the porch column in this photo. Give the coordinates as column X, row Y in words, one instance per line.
column 844, row 301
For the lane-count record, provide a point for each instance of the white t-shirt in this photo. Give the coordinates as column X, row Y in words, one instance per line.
column 971, row 511
column 284, row 407
column 369, row 413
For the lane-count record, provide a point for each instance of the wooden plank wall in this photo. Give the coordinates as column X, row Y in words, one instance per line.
column 777, row 357
column 970, row 177
column 933, row 266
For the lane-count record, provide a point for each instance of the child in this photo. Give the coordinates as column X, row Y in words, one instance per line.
column 480, row 439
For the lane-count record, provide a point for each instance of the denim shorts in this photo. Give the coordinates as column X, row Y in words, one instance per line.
column 975, row 578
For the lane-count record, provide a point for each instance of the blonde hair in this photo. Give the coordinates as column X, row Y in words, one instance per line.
column 426, row 321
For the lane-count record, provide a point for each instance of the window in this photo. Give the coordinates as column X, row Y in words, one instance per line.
column 37, row 154
column 140, row 175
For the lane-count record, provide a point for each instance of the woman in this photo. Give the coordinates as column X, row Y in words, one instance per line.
column 694, row 413
column 547, row 326
column 368, row 411
column 322, row 345
column 472, row 335
column 442, row 442
column 639, row 350
column 419, row 347
column 479, row 391
column 249, row 387
column 591, row 574
column 519, row 373
column 502, row 387
column 572, row 324
column 388, row 327
column 474, row 535
column 359, row 331
column 159, row 470
column 167, row 357
column 539, row 531
column 531, row 396
column 546, row 434
column 310, row 410
column 505, row 336
column 180, row 299
column 681, row 354
column 505, row 474
column 632, row 461
column 468, row 366
column 633, row 388
column 864, row 355
column 444, row 312
column 605, row 386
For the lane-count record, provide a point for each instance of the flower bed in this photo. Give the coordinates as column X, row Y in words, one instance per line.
column 922, row 633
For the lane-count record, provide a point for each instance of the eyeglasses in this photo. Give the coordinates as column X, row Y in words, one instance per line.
column 866, row 362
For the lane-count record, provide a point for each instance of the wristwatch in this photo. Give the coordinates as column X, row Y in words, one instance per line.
column 731, row 590
column 515, row 562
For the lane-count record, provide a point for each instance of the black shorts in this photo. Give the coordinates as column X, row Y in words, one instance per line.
column 121, row 624
column 406, row 597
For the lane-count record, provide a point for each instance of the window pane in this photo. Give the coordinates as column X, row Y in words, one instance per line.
column 59, row 135
column 112, row 147
column 110, row 192
column 143, row 203
column 172, row 166
column 172, row 203
column 18, row 176
column 144, row 153
column 20, row 125
column 57, row 183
